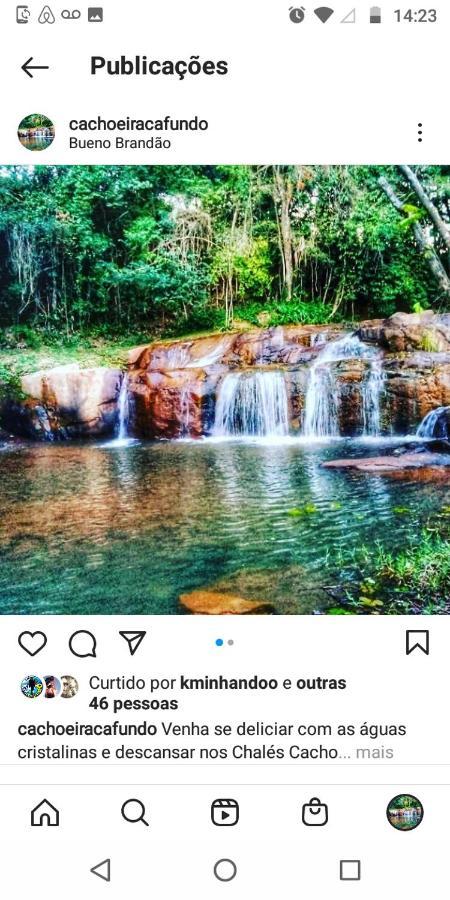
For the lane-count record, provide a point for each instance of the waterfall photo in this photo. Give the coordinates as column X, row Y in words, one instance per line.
column 225, row 390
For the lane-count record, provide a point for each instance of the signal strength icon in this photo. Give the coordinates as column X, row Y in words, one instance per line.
column 350, row 18
column 323, row 13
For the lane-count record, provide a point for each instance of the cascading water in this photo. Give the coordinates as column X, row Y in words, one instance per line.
column 122, row 438
column 321, row 416
column 321, row 404
column 177, row 357
column 252, row 404
column 318, row 339
column 123, row 409
column 372, row 389
column 185, row 411
column 428, row 427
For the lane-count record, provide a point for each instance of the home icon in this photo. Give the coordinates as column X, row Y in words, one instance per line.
column 44, row 814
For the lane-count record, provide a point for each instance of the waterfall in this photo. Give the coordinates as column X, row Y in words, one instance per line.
column 372, row 388
column 252, row 404
column 185, row 412
column 318, row 339
column 428, row 425
column 177, row 357
column 123, row 409
column 321, row 403
column 321, row 416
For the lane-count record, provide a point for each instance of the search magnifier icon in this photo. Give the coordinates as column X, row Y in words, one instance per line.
column 134, row 811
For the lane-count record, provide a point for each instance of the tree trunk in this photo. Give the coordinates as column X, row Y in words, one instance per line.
column 427, row 251
column 428, row 204
column 283, row 194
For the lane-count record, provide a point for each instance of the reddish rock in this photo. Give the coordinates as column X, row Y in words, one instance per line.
column 173, row 385
column 169, row 356
column 212, row 603
column 66, row 402
column 172, row 404
column 374, row 464
column 407, row 332
column 415, row 384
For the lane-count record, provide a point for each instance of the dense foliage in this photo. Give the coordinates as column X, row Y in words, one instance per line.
column 111, row 249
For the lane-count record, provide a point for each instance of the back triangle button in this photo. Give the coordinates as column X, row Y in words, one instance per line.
column 103, row 870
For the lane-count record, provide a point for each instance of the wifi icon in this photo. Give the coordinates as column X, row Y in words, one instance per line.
column 324, row 13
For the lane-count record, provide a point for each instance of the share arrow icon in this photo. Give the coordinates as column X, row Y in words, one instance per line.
column 134, row 639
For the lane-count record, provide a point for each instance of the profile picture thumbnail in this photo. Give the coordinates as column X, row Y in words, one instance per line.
column 36, row 132
column 404, row 812
column 31, row 686
column 52, row 687
column 69, row 686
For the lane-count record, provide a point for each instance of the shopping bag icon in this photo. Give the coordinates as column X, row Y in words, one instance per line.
column 315, row 812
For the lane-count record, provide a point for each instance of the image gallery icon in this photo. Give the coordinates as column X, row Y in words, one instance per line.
column 225, row 812
column 95, row 14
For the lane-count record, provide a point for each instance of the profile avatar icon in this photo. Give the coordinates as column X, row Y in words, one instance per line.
column 31, row 686
column 404, row 812
column 36, row 132
column 69, row 687
column 52, row 687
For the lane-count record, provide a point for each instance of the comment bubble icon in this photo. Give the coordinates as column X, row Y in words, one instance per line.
column 83, row 644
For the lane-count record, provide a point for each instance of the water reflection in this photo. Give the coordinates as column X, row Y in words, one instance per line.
column 128, row 529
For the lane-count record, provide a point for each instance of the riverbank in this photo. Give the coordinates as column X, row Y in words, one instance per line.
column 22, row 355
column 412, row 581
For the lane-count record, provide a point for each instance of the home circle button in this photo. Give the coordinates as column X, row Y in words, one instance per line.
column 225, row 869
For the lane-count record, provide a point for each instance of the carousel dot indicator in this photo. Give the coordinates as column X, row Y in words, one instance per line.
column 219, row 642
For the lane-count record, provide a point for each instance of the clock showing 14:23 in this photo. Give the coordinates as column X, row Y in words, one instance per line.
column 415, row 15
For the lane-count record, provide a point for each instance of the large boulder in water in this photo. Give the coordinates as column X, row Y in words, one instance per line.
column 408, row 332
column 415, row 384
column 65, row 402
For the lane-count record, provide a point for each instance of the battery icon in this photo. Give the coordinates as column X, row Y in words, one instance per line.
column 375, row 15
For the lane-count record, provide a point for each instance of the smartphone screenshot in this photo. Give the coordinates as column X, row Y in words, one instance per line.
column 224, row 450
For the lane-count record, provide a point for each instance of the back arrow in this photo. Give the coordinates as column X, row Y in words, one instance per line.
column 103, row 870
column 26, row 67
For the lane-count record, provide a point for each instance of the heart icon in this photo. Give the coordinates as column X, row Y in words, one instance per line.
column 32, row 642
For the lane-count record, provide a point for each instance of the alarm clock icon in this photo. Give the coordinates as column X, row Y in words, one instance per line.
column 296, row 14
